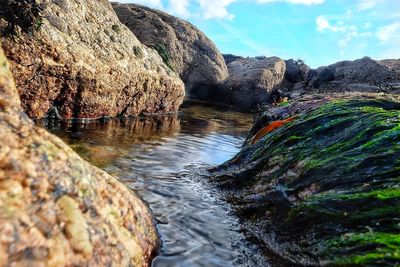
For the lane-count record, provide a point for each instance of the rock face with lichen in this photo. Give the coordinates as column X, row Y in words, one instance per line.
column 78, row 58
column 251, row 81
column 55, row 208
column 325, row 188
column 183, row 47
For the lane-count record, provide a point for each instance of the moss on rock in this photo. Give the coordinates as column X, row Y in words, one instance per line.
column 324, row 189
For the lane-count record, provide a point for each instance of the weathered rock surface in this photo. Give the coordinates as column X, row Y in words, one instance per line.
column 252, row 80
column 323, row 189
column 229, row 58
column 79, row 58
column 189, row 52
column 362, row 75
column 296, row 76
column 55, row 208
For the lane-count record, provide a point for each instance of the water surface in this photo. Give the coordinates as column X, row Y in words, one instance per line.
column 162, row 160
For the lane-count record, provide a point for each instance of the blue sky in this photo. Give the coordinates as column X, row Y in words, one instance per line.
column 320, row 32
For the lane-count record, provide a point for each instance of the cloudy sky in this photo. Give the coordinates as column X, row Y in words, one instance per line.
column 320, row 32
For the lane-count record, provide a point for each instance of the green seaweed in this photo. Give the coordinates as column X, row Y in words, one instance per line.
column 338, row 168
column 163, row 52
column 385, row 248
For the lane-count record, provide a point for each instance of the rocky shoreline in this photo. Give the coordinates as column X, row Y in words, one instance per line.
column 319, row 189
column 323, row 188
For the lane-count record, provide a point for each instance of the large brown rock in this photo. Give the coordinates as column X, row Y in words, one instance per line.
column 79, row 58
column 55, row 208
column 252, row 80
column 362, row 75
column 189, row 52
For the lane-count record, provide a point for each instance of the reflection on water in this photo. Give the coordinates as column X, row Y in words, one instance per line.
column 161, row 159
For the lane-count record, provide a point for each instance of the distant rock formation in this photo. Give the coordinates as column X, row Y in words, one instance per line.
column 362, row 75
column 183, row 47
column 251, row 81
column 297, row 72
column 77, row 57
column 229, row 58
column 55, row 208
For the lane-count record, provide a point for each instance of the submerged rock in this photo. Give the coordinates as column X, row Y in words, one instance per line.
column 183, row 47
column 323, row 189
column 251, row 81
column 77, row 57
column 55, row 208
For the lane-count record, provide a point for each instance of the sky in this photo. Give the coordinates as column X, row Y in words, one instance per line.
column 320, row 32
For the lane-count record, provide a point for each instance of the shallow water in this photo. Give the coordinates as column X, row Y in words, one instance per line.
column 162, row 160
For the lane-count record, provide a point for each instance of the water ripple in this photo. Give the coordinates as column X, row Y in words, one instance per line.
column 163, row 161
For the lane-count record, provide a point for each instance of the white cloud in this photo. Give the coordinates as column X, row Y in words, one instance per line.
column 303, row 2
column 389, row 32
column 149, row 3
column 216, row 9
column 324, row 24
column 367, row 4
column 179, row 7
column 209, row 9
column 346, row 32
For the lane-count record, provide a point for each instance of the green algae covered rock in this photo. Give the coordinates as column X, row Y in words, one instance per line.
column 325, row 188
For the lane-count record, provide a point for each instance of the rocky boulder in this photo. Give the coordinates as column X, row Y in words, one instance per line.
column 184, row 47
column 362, row 75
column 76, row 56
column 296, row 75
column 229, row 58
column 251, row 81
column 324, row 188
column 55, row 208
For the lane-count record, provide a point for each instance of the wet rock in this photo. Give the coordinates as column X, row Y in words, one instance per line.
column 323, row 189
column 55, row 208
column 251, row 81
column 76, row 56
column 183, row 47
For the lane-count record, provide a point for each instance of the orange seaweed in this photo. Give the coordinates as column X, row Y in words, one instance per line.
column 269, row 128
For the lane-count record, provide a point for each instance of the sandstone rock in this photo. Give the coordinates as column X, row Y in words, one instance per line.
column 252, row 80
column 189, row 52
column 79, row 58
column 363, row 75
column 55, row 208
column 322, row 190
